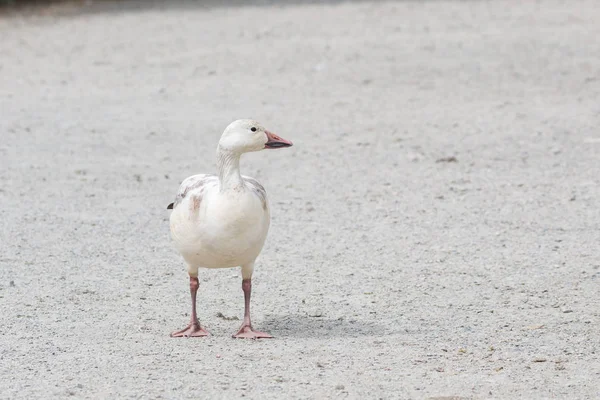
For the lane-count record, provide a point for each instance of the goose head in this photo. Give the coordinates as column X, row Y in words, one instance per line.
column 246, row 135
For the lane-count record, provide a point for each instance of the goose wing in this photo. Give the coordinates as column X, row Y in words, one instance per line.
column 193, row 183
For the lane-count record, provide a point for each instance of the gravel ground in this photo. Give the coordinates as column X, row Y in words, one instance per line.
column 435, row 227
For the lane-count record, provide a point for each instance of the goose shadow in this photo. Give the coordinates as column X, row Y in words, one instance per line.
column 305, row 326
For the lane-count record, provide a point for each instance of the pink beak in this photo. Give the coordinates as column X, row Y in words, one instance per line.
column 276, row 142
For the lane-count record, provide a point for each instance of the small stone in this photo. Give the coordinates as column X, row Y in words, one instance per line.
column 539, row 360
column 340, row 387
column 450, row 159
column 222, row 316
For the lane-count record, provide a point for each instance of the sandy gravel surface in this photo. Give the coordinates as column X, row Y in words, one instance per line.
column 435, row 227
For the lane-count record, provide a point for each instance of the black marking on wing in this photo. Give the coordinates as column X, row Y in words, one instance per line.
column 170, row 206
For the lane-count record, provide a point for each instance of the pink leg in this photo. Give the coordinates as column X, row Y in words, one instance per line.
column 193, row 329
column 246, row 331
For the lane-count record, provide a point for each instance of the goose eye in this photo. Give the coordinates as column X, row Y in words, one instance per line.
column 253, row 129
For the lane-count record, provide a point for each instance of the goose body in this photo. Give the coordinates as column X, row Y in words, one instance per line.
column 222, row 221
column 212, row 228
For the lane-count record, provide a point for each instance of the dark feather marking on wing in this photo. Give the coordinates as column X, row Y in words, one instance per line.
column 170, row 206
column 259, row 190
column 196, row 202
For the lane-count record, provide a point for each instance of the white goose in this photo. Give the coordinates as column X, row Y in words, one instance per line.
column 222, row 221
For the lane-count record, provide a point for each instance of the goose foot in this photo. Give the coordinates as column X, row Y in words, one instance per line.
column 192, row 330
column 246, row 332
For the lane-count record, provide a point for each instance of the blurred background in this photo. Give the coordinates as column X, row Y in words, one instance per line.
column 435, row 226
